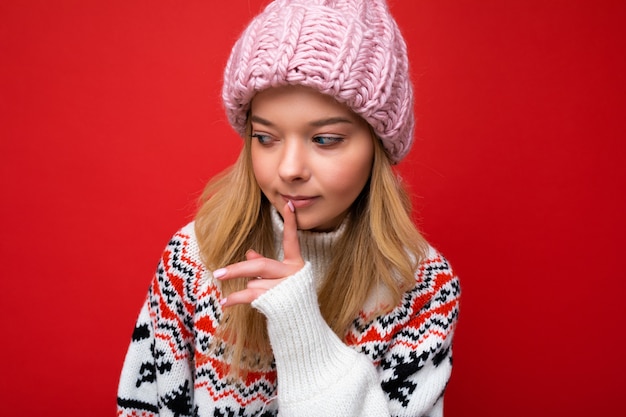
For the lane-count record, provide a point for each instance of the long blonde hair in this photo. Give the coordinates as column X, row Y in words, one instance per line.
column 379, row 249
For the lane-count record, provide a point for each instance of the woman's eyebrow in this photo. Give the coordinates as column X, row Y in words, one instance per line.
column 330, row 121
column 316, row 123
column 260, row 120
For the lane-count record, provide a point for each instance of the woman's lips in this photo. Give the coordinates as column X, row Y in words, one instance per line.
column 300, row 201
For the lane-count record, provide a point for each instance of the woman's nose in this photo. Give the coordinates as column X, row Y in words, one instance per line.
column 293, row 164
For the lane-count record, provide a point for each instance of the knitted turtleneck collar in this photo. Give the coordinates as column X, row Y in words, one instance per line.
column 316, row 247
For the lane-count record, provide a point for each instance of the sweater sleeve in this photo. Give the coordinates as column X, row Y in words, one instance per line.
column 319, row 375
column 417, row 361
column 157, row 375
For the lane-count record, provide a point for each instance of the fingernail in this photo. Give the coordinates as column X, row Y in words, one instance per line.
column 223, row 301
column 219, row 273
column 291, row 207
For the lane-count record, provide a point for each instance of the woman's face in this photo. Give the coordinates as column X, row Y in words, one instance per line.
column 309, row 149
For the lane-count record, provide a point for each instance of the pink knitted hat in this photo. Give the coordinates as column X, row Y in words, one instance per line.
column 351, row 50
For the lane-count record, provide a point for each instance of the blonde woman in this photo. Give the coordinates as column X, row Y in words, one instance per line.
column 302, row 288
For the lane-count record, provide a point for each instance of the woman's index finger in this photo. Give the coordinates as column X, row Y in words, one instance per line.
column 291, row 244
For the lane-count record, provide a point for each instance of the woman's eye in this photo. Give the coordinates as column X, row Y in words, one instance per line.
column 327, row 140
column 261, row 138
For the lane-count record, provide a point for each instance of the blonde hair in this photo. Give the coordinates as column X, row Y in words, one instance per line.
column 379, row 249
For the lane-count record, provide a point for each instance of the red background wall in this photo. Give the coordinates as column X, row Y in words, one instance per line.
column 111, row 123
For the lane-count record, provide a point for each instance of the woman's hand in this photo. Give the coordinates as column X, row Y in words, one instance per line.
column 269, row 272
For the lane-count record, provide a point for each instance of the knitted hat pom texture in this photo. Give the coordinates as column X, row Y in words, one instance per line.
column 351, row 50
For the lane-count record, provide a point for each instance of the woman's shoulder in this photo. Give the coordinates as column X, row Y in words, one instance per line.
column 184, row 244
column 188, row 230
column 181, row 260
column 434, row 267
column 429, row 307
column 436, row 283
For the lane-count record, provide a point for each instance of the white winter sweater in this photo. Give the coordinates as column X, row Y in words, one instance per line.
column 395, row 365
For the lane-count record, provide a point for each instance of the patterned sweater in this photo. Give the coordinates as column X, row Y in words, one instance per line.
column 395, row 365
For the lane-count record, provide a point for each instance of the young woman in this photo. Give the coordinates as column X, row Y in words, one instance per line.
column 302, row 288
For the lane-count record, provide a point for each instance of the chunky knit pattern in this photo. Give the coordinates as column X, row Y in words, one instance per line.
column 398, row 364
column 351, row 50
